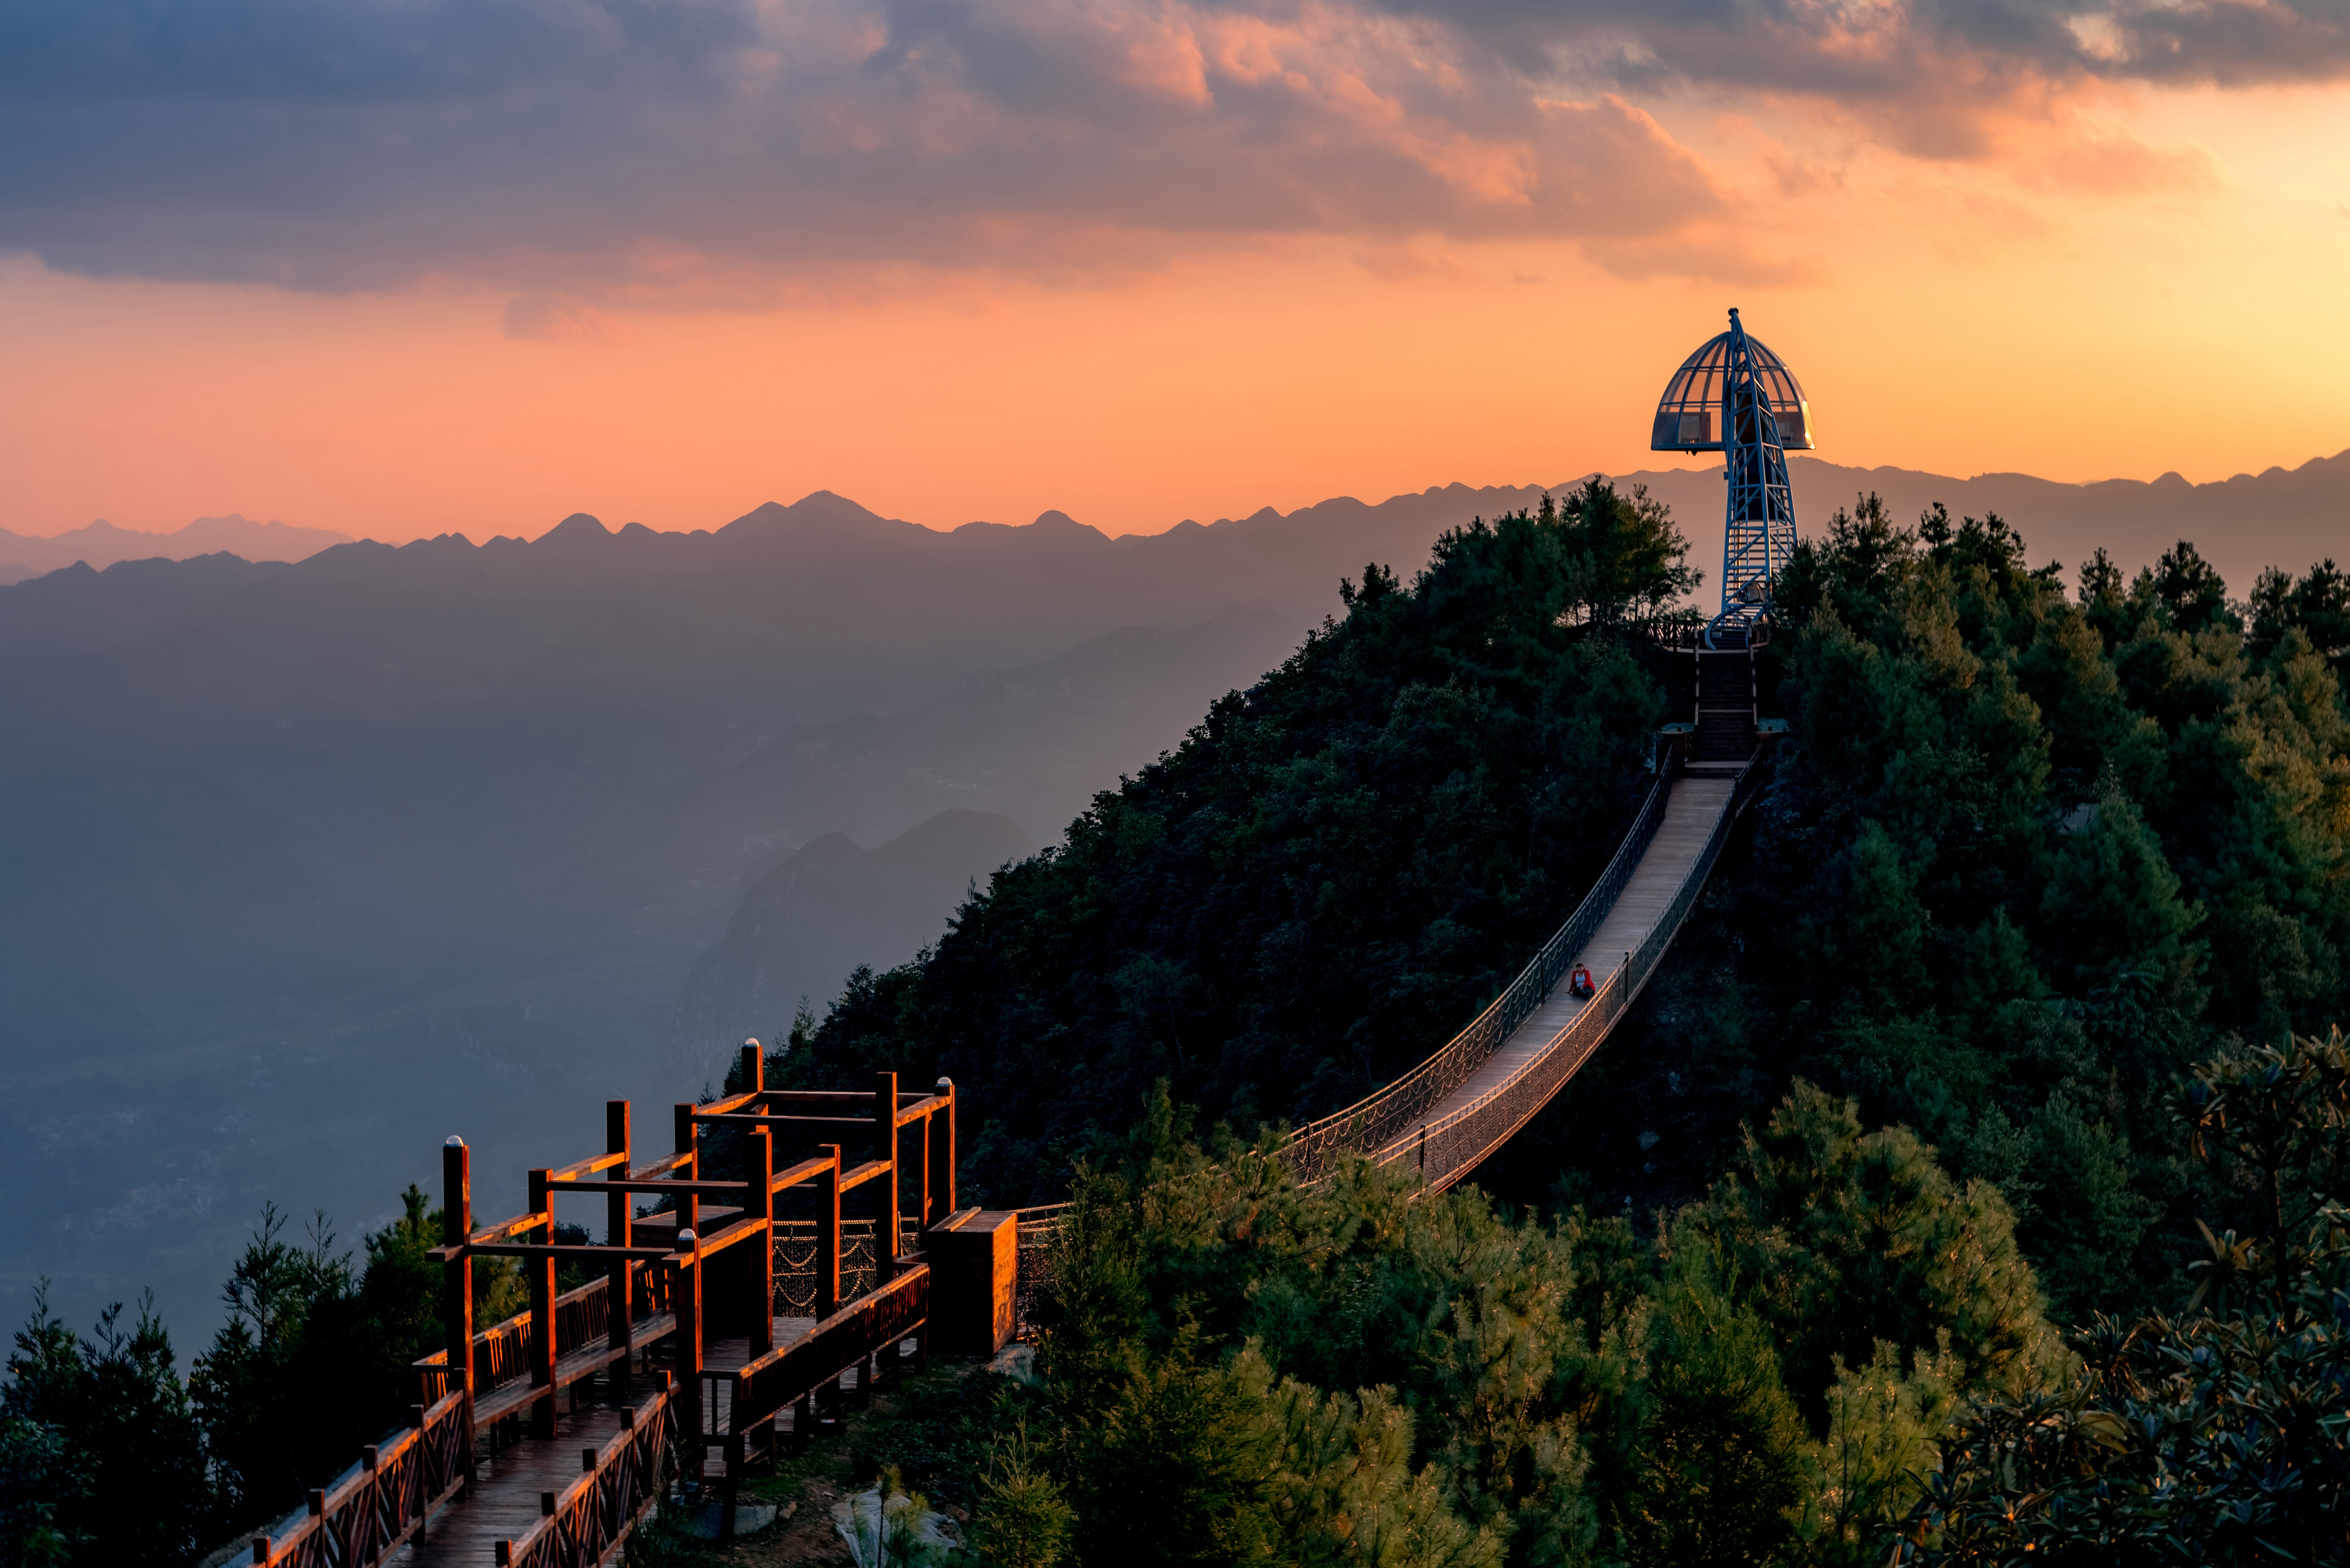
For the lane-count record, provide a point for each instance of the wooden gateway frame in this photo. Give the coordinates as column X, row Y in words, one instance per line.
column 673, row 1282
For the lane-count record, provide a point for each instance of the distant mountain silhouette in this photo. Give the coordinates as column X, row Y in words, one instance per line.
column 829, row 906
column 101, row 543
column 305, row 866
column 2281, row 517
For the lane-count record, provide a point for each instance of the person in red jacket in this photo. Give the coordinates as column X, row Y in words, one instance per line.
column 1579, row 982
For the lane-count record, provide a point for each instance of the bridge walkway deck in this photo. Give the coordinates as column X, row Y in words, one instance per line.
column 1692, row 812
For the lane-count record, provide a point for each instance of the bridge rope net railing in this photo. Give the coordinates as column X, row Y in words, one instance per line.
column 1448, row 1149
column 1376, row 1121
column 1390, row 1124
column 796, row 1244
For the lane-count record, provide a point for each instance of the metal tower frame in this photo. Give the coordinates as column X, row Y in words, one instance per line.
column 1758, row 528
column 1735, row 396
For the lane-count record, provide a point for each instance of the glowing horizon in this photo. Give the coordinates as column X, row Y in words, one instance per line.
column 1138, row 261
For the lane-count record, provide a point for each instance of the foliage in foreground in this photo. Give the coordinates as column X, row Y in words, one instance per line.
column 106, row 1457
column 2219, row 1435
column 2042, row 841
column 1235, row 1370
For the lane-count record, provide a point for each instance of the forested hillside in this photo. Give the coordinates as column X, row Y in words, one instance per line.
column 2046, row 836
column 1971, row 1185
column 1982, row 1151
column 1332, row 872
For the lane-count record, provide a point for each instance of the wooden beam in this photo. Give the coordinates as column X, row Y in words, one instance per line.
column 870, row 1171
column 806, row 1170
column 920, row 1110
column 717, row 1242
column 667, row 1186
column 732, row 1102
column 579, row 1167
column 770, row 1119
column 586, row 1251
column 663, row 1167
column 506, row 1228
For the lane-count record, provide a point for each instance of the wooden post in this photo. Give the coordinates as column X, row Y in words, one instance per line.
column 921, row 1134
column 942, row 1143
column 619, row 1278
column 541, row 1273
column 761, row 1207
column 689, row 1301
column 827, row 1235
column 457, row 1281
column 885, row 1218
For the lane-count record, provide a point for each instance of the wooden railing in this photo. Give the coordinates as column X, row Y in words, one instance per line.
column 754, row 1395
column 376, row 1507
column 583, row 1317
column 580, row 1526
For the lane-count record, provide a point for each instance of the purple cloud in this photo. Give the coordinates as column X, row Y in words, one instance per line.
column 652, row 149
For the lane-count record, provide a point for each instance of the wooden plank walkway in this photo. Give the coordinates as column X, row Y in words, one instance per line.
column 504, row 1504
column 1691, row 812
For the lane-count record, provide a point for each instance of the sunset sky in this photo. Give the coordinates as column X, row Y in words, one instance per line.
column 398, row 268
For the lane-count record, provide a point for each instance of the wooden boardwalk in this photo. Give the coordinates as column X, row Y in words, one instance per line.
column 1693, row 819
column 505, row 1501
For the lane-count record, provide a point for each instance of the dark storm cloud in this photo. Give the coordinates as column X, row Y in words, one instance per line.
column 713, row 145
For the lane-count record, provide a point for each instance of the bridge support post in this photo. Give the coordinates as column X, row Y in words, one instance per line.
column 457, row 1281
column 688, row 1301
column 761, row 1205
column 942, row 1147
column 827, row 1235
column 541, row 1273
column 885, row 1216
column 761, row 1208
column 619, row 1277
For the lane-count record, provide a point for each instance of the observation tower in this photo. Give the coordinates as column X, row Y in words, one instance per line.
column 1735, row 396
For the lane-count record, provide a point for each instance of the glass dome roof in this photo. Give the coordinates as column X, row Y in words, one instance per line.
column 1689, row 416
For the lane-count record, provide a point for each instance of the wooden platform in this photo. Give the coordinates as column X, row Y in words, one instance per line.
column 1691, row 812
